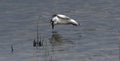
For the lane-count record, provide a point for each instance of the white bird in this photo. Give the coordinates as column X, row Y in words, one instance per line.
column 62, row 19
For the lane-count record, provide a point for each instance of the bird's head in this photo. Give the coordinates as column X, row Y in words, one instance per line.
column 52, row 21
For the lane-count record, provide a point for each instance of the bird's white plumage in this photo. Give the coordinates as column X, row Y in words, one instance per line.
column 63, row 16
column 63, row 19
column 73, row 21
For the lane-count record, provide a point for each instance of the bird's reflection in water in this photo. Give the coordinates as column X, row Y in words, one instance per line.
column 56, row 39
column 58, row 44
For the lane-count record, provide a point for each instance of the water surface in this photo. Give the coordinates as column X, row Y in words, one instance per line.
column 96, row 39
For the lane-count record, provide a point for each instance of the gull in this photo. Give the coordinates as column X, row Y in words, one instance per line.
column 62, row 19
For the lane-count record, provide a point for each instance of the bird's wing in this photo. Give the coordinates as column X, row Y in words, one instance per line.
column 63, row 17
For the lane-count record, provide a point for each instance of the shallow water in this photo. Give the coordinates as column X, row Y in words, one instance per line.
column 96, row 39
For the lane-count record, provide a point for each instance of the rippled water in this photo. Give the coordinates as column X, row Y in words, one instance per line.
column 96, row 39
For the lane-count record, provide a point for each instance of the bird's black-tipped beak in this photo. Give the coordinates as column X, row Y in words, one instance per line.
column 52, row 24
